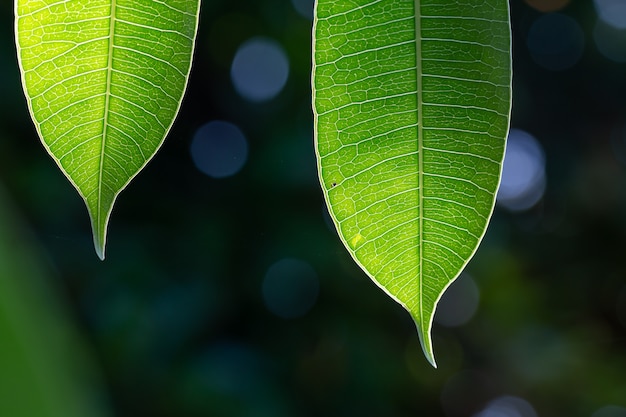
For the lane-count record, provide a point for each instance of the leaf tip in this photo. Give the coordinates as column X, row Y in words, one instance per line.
column 428, row 349
column 426, row 341
column 99, row 240
column 99, row 249
column 430, row 357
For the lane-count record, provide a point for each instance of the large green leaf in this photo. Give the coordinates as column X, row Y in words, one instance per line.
column 412, row 102
column 104, row 80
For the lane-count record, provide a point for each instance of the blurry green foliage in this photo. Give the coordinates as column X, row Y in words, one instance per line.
column 44, row 369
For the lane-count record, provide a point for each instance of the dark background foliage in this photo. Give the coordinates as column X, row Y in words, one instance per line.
column 175, row 318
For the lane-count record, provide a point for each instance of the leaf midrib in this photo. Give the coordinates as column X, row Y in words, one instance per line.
column 420, row 154
column 105, row 118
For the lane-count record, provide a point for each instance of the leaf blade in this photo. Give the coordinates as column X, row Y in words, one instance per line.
column 104, row 80
column 411, row 104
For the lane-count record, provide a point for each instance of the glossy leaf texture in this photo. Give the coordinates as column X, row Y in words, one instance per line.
column 104, row 80
column 412, row 102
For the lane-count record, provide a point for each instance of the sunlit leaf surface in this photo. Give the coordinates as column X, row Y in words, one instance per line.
column 412, row 102
column 104, row 80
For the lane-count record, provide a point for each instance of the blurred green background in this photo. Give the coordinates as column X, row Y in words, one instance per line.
column 226, row 292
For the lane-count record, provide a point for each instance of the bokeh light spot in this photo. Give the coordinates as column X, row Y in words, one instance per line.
column 260, row 69
column 539, row 354
column 523, row 174
column 547, row 5
column 290, row 288
column 304, row 7
column 508, row 406
column 229, row 367
column 610, row 411
column 459, row 303
column 612, row 12
column 219, row 149
column 556, row 41
column 610, row 41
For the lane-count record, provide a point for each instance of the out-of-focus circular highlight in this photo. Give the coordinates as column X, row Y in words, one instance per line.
column 612, row 12
column 508, row 406
column 304, row 8
column 610, row 411
column 555, row 41
column 290, row 288
column 523, row 174
column 610, row 41
column 260, row 69
column 219, row 149
column 458, row 303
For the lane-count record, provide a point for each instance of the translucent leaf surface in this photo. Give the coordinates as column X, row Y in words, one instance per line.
column 412, row 102
column 104, row 80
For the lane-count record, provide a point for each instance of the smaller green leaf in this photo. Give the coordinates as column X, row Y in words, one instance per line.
column 104, row 80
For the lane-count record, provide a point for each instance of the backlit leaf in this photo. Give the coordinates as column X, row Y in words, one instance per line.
column 412, row 102
column 104, row 80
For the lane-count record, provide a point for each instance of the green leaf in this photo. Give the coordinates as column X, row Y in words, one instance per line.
column 412, row 101
column 104, row 80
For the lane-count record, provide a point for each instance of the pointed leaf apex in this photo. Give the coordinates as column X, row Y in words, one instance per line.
column 426, row 340
column 100, row 252
column 99, row 237
column 428, row 352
